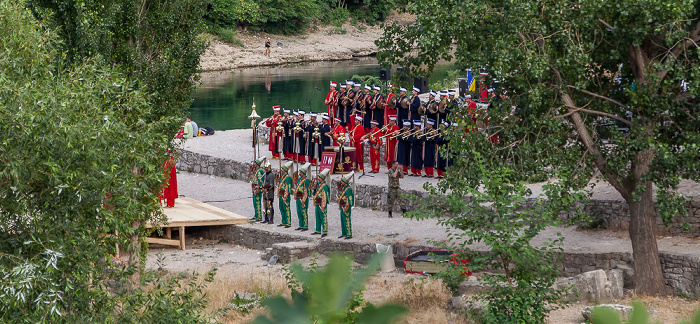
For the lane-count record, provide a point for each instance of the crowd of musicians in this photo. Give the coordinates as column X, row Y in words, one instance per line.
column 410, row 131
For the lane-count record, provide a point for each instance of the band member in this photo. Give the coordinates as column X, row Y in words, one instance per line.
column 431, row 100
column 288, row 124
column 312, row 142
column 378, row 103
column 359, row 100
column 442, row 148
column 274, row 138
column 416, row 140
column 471, row 110
column 257, row 184
column 403, row 147
column 415, row 104
column 338, row 130
column 322, row 195
column 326, row 134
column 301, row 138
column 395, row 175
column 390, row 150
column 269, row 193
column 442, row 107
column 429, row 148
column 403, row 112
column 356, row 140
column 285, row 186
column 369, row 101
column 341, row 113
column 375, row 143
column 346, row 199
column 332, row 99
column 350, row 97
column 390, row 97
column 301, row 197
column 452, row 103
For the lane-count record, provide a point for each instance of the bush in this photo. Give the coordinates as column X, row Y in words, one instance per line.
column 228, row 35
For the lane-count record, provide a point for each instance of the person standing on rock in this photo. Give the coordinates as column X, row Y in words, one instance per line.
column 346, row 200
column 322, row 194
column 301, row 197
column 269, row 193
column 283, row 195
column 268, row 44
column 395, row 174
column 257, row 184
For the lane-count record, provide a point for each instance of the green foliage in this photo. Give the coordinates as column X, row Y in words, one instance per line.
column 339, row 16
column 498, row 215
column 604, row 315
column 74, row 172
column 571, row 71
column 368, row 79
column 329, row 294
column 228, row 35
column 449, row 82
column 231, row 13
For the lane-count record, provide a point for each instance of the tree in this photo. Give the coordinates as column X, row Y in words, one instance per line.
column 575, row 71
column 77, row 178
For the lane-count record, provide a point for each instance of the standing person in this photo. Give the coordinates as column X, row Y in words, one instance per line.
column 375, row 143
column 442, row 148
column 189, row 132
column 359, row 98
column 429, row 148
column 326, row 134
column 403, row 112
column 268, row 44
column 390, row 150
column 312, row 142
column 346, row 200
column 395, row 174
column 322, row 195
column 341, row 113
column 337, row 132
column 283, row 190
column 403, row 147
column 288, row 124
column 301, row 197
column 378, row 112
column 170, row 189
column 356, row 141
column 415, row 104
column 416, row 140
column 274, row 136
column 390, row 108
column 431, row 103
column 257, row 184
column 443, row 110
column 301, row 136
column 269, row 193
column 331, row 100
column 349, row 100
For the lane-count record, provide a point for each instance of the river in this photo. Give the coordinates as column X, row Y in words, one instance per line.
column 225, row 98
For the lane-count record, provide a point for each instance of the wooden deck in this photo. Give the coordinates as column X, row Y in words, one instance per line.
column 189, row 212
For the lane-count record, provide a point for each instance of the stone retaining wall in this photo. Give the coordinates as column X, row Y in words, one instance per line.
column 612, row 214
column 681, row 272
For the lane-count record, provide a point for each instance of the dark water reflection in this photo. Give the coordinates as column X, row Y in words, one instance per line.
column 225, row 98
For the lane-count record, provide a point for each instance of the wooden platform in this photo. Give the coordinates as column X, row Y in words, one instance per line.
column 189, row 212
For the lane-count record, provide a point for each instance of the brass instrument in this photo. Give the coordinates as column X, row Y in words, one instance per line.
column 433, row 107
column 348, row 98
column 383, row 129
column 404, row 103
column 427, row 134
column 411, row 133
column 421, row 109
column 433, row 136
column 392, row 102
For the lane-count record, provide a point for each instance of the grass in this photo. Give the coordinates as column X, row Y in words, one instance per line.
column 228, row 35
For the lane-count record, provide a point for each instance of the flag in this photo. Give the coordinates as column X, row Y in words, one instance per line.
column 470, row 81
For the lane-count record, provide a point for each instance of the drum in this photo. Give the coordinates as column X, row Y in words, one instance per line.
column 318, row 201
column 349, row 161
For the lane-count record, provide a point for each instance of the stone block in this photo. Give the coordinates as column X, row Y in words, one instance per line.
column 597, row 286
column 623, row 310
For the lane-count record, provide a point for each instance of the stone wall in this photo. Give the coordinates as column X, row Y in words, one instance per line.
column 681, row 272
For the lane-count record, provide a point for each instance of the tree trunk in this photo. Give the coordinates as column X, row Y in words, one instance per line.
column 648, row 277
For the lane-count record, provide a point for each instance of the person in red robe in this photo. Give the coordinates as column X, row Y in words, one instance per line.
column 388, row 111
column 332, row 101
column 375, row 142
column 337, row 130
column 274, row 137
column 390, row 150
column 356, row 141
column 471, row 110
column 170, row 189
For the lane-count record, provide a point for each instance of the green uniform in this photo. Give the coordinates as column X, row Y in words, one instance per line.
column 393, row 189
column 345, row 222
column 303, row 205
column 284, row 202
column 322, row 211
column 258, row 180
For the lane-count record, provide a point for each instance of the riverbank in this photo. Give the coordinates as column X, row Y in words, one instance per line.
column 319, row 44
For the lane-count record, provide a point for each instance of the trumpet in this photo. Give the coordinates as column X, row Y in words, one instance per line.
column 429, row 133
column 433, row 135
column 383, row 128
column 415, row 132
